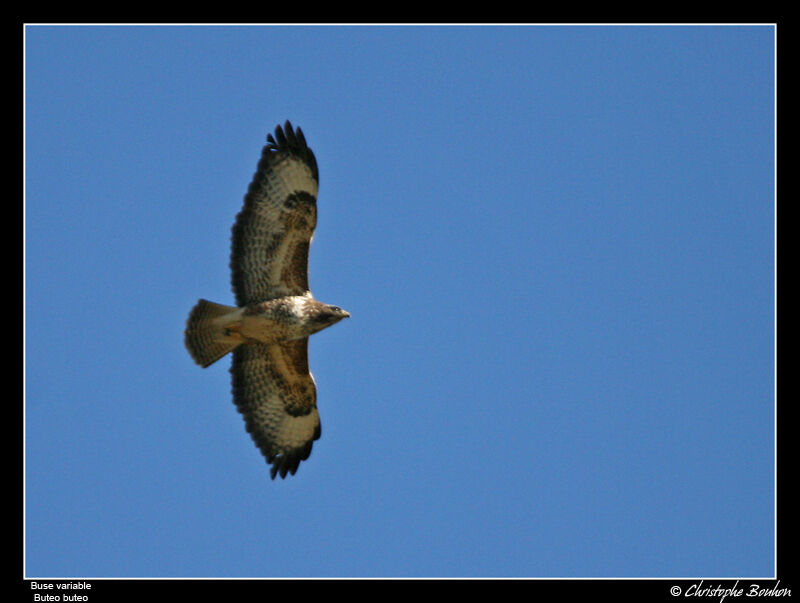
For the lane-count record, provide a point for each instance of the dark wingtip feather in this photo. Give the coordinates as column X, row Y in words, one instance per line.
column 281, row 138
column 289, row 132
column 301, row 140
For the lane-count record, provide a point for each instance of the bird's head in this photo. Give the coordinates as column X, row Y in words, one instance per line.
column 325, row 315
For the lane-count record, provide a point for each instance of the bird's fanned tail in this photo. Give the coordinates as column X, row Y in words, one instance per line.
column 206, row 337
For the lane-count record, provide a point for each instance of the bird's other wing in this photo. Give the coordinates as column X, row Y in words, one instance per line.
column 275, row 393
column 272, row 232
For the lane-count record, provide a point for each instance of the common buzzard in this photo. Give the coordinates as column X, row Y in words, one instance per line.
column 275, row 313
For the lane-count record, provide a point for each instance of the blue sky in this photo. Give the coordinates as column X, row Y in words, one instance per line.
column 556, row 244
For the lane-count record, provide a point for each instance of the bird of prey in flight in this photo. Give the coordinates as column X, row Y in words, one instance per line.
column 268, row 328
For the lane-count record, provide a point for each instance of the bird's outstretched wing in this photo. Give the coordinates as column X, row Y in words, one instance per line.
column 272, row 233
column 275, row 392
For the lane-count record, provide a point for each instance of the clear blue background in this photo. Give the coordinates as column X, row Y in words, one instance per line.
column 556, row 244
